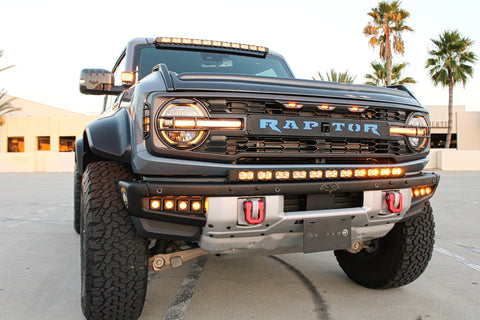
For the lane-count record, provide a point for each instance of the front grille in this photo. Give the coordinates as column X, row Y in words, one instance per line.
column 289, row 146
column 274, row 108
column 249, row 147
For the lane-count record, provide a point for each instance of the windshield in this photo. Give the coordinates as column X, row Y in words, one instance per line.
column 181, row 61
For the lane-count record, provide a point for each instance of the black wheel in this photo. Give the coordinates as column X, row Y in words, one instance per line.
column 396, row 259
column 77, row 195
column 113, row 255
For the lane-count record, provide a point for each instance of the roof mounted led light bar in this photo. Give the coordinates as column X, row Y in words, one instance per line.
column 220, row 45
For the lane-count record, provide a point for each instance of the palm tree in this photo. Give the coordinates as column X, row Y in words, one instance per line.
column 5, row 107
column 388, row 21
column 450, row 63
column 379, row 76
column 335, row 76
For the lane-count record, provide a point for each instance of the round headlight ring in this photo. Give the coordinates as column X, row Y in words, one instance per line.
column 184, row 109
column 420, row 122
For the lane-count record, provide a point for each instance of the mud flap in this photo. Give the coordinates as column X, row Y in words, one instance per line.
column 325, row 234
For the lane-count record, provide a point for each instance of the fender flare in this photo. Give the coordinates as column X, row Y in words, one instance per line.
column 106, row 138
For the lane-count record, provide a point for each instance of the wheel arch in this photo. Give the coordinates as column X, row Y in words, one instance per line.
column 107, row 138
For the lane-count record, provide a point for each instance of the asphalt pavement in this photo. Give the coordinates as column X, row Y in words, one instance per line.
column 40, row 267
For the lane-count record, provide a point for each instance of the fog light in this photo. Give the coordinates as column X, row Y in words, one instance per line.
column 196, row 206
column 155, row 204
column 169, row 205
column 182, row 205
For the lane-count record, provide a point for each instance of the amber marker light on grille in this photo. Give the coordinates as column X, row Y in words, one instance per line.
column 356, row 109
column 331, row 174
column 293, row 105
column 325, row 107
column 246, row 175
column 373, row 172
column 155, row 204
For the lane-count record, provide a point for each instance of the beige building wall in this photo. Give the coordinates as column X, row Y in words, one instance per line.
column 37, row 120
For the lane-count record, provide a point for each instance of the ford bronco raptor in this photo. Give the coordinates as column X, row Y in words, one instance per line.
column 211, row 147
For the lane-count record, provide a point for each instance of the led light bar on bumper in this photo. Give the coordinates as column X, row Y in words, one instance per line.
column 314, row 175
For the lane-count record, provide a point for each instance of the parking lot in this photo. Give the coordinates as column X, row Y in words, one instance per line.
column 40, row 267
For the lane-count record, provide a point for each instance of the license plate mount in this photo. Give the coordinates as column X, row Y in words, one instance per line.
column 325, row 234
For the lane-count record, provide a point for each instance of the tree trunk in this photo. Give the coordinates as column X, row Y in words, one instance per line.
column 389, row 70
column 388, row 53
column 450, row 114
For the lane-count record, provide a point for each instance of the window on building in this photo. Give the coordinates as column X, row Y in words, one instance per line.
column 43, row 143
column 67, row 144
column 16, row 144
column 437, row 140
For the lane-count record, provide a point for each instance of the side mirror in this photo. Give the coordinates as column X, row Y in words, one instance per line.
column 98, row 82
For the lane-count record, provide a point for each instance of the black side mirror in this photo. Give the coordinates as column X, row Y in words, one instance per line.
column 98, row 82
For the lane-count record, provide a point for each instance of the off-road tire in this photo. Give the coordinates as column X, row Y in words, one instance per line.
column 113, row 255
column 77, row 196
column 399, row 258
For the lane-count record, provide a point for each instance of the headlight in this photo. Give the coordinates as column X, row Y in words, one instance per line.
column 419, row 122
column 185, row 112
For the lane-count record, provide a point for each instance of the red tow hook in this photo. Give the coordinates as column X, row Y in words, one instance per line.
column 254, row 211
column 394, row 202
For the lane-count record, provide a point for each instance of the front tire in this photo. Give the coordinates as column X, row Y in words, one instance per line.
column 398, row 258
column 113, row 255
column 77, row 194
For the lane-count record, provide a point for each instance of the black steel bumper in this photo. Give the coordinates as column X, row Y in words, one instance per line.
column 188, row 227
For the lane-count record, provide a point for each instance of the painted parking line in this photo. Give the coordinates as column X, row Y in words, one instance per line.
column 179, row 305
column 466, row 246
column 457, row 258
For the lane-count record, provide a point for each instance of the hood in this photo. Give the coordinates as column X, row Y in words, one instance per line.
column 296, row 87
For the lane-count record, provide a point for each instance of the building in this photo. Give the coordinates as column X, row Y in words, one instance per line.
column 464, row 152
column 39, row 138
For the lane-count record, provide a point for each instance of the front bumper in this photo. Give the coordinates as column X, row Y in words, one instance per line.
column 217, row 231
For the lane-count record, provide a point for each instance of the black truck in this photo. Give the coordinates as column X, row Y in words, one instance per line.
column 213, row 147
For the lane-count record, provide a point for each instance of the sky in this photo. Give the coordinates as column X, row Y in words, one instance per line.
column 49, row 42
